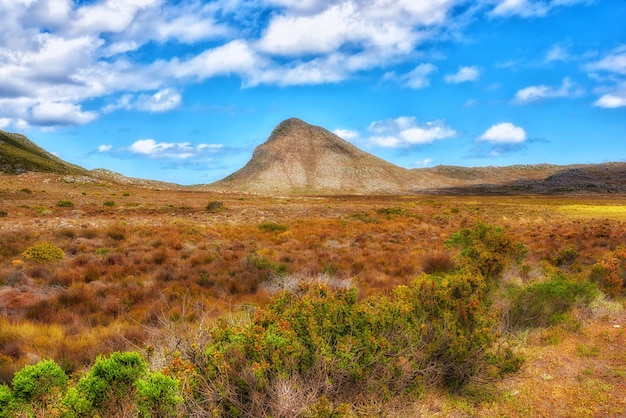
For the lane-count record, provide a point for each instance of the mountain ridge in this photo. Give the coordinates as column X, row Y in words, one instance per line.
column 303, row 159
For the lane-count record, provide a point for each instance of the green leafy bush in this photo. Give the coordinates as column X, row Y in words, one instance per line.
column 65, row 203
column 545, row 303
column 7, row 402
column 109, row 387
column 487, row 248
column 39, row 384
column 157, row 396
column 109, row 203
column 43, row 252
column 272, row 227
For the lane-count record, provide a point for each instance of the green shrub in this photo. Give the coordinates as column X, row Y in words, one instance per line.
column 272, row 227
column 109, row 387
column 546, row 303
column 3, row 214
column 39, row 384
column 65, row 203
column 487, row 248
column 438, row 331
column 7, row 402
column 157, row 396
column 109, row 203
column 43, row 252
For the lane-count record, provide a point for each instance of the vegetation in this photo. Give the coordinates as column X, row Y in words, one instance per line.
column 44, row 252
column 413, row 309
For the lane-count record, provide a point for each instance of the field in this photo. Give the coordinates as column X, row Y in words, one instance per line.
column 144, row 269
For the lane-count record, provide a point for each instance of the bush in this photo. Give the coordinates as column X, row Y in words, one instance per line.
column 7, row 403
column 65, row 203
column 439, row 262
column 40, row 383
column 546, row 303
column 214, row 206
column 610, row 273
column 487, row 248
column 272, row 227
column 3, row 214
column 109, row 203
column 109, row 388
column 43, row 252
column 157, row 396
column 323, row 343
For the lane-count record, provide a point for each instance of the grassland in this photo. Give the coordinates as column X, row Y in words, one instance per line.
column 139, row 262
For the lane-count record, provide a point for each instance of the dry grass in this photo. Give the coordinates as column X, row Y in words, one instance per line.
column 155, row 251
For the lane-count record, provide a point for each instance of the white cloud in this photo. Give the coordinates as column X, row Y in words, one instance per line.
column 426, row 162
column 541, row 92
column 346, row 134
column 58, row 113
column 504, row 133
column 419, row 77
column 464, row 74
column 172, row 150
column 161, row 101
column 611, row 101
column 104, row 148
column 405, row 131
column 614, row 62
column 557, row 53
column 529, row 8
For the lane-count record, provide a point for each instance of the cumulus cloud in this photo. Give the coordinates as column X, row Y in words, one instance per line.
column 405, row 131
column 172, row 150
column 542, row 92
column 57, row 113
column 464, row 74
column 104, row 148
column 611, row 100
column 504, row 133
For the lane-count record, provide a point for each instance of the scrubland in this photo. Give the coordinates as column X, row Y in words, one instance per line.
column 239, row 305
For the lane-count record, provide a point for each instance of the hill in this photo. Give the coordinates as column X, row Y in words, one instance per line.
column 19, row 154
column 299, row 158
column 305, row 159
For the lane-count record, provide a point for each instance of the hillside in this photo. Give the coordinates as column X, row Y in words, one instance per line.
column 302, row 158
column 19, row 155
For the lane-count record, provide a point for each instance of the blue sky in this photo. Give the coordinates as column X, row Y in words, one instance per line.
column 184, row 90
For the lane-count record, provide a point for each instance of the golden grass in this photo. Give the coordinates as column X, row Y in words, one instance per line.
column 594, row 211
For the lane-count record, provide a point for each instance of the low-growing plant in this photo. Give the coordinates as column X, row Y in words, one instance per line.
column 7, row 402
column 3, row 214
column 37, row 385
column 487, row 248
column 43, row 252
column 157, row 395
column 546, row 303
column 214, row 206
column 109, row 203
column 272, row 227
column 610, row 273
column 65, row 203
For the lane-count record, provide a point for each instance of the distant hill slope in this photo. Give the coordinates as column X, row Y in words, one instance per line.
column 302, row 158
column 299, row 158
column 19, row 155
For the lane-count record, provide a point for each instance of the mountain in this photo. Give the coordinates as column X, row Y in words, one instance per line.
column 19, row 155
column 302, row 158
column 299, row 158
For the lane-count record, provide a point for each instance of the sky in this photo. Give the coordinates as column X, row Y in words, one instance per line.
column 184, row 90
